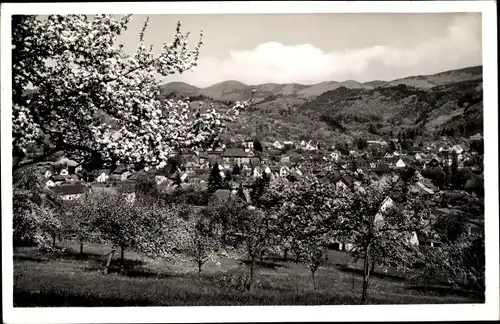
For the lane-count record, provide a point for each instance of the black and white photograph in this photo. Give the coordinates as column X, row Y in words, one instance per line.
column 218, row 154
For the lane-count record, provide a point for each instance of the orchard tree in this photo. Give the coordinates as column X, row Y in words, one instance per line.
column 245, row 229
column 117, row 221
column 311, row 217
column 35, row 210
column 461, row 262
column 201, row 243
column 381, row 229
column 78, row 221
column 79, row 73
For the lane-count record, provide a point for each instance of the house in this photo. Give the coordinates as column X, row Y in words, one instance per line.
column 238, row 156
column 248, row 144
column 284, row 171
column 418, row 157
column 335, row 155
column 275, row 170
column 421, row 189
column 277, row 145
column 388, row 155
column 458, row 149
column 71, row 192
column 400, row 164
column 476, row 137
column 121, row 173
column 50, row 183
column 285, row 159
column 58, row 179
column 381, row 168
column 47, row 173
column 311, row 147
column 345, row 182
column 64, row 172
column 102, row 175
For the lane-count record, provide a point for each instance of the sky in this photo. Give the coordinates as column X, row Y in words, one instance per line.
column 312, row 48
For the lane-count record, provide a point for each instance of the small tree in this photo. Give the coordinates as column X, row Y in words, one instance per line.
column 244, row 229
column 78, row 219
column 118, row 220
column 455, row 177
column 257, row 145
column 35, row 210
column 215, row 180
column 461, row 262
column 201, row 244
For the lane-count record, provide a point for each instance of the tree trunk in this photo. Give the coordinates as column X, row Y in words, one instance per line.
column 285, row 257
column 81, row 249
column 366, row 274
column 122, row 253
column 199, row 268
column 111, row 254
column 372, row 270
column 252, row 267
column 261, row 257
column 313, row 278
column 54, row 240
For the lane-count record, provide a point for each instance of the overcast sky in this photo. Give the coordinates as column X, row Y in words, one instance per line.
column 311, row 48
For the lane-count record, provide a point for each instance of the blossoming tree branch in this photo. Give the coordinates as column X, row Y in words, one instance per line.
column 78, row 71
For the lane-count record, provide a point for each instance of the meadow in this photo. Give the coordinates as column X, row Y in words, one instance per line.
column 52, row 279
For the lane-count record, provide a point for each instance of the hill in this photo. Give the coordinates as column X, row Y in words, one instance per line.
column 181, row 88
column 227, row 90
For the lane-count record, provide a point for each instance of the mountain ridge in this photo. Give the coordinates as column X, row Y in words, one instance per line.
column 234, row 90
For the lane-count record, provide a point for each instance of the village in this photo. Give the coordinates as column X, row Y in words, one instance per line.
column 241, row 164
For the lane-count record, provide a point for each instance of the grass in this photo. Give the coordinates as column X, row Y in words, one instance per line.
column 66, row 279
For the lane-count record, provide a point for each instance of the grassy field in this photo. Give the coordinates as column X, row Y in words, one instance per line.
column 65, row 279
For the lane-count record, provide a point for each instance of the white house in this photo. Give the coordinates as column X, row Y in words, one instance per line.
column 284, row 171
column 102, row 176
column 311, row 147
column 50, row 183
column 400, row 164
column 335, row 156
column 64, row 172
column 458, row 149
column 47, row 174
column 418, row 157
column 248, row 143
column 277, row 145
column 388, row 155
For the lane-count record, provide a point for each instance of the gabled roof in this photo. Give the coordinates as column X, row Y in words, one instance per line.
column 222, row 194
column 120, row 169
column 57, row 177
column 99, row 172
column 235, row 152
column 70, row 189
